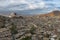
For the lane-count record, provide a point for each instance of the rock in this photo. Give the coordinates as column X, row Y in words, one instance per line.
column 12, row 15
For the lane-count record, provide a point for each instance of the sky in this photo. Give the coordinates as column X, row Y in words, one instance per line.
column 29, row 5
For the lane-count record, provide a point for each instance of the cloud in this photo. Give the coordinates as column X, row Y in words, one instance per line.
column 30, row 4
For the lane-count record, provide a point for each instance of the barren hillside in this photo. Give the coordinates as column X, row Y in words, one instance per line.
column 30, row 27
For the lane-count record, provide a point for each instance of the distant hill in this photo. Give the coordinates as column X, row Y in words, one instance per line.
column 51, row 14
column 56, row 13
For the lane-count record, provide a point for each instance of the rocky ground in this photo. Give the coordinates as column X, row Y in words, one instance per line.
column 30, row 28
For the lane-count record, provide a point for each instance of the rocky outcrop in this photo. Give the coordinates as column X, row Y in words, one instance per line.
column 12, row 15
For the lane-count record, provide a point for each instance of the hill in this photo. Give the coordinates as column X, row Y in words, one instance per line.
column 34, row 27
column 51, row 14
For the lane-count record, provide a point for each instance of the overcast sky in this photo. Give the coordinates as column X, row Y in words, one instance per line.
column 29, row 4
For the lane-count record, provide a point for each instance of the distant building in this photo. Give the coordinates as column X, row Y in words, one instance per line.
column 12, row 15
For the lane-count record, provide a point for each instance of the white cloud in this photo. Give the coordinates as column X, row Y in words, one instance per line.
column 37, row 5
column 31, row 4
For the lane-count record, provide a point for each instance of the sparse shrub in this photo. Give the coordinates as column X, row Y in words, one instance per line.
column 3, row 26
column 32, row 30
column 27, row 38
column 47, row 35
column 2, row 22
column 13, row 31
